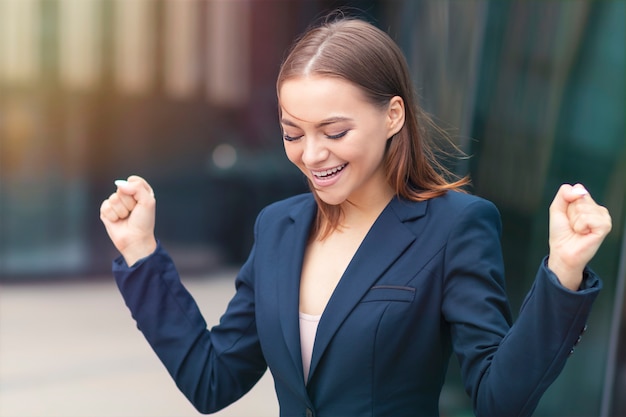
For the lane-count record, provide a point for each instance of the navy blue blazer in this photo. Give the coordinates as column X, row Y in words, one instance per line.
column 426, row 281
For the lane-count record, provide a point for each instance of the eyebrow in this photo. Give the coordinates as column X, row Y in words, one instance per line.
column 323, row 123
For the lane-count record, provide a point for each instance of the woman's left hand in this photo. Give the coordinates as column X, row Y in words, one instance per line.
column 578, row 225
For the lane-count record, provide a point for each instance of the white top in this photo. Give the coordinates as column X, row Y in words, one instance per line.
column 308, row 329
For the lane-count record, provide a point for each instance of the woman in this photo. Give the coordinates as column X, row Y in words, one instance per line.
column 356, row 294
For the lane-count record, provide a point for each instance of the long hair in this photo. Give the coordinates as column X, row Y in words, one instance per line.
column 359, row 52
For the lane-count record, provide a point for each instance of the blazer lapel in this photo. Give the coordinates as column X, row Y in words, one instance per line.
column 292, row 245
column 385, row 242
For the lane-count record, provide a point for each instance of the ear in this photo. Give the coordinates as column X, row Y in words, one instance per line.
column 395, row 115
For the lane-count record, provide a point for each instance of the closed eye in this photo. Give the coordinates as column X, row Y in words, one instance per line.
column 338, row 135
column 291, row 138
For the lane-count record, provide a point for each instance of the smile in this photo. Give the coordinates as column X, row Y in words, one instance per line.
column 329, row 172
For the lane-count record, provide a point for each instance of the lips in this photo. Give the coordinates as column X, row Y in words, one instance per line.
column 328, row 173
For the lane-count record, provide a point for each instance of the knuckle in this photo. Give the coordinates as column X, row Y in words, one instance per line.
column 114, row 199
column 108, row 215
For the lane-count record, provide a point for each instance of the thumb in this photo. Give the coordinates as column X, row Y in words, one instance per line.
column 136, row 187
column 566, row 195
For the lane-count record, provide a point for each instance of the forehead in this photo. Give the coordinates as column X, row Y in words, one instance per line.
column 315, row 98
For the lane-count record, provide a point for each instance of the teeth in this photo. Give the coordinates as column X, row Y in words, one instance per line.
column 329, row 171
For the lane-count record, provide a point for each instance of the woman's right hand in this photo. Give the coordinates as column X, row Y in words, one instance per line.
column 128, row 216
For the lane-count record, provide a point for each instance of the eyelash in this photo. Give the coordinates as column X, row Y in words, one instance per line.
column 291, row 138
column 337, row 136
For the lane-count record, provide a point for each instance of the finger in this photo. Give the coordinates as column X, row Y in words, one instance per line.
column 107, row 214
column 125, row 195
column 560, row 201
column 128, row 201
column 139, row 188
column 586, row 215
column 580, row 222
column 143, row 182
column 589, row 217
column 569, row 194
column 574, row 192
column 118, row 206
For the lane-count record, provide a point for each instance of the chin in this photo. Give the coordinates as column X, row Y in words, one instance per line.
column 331, row 200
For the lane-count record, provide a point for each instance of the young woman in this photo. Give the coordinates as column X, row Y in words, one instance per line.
column 356, row 294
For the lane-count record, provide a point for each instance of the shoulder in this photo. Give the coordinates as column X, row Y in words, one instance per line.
column 462, row 211
column 447, row 207
column 287, row 210
column 453, row 211
column 466, row 214
column 454, row 203
column 290, row 204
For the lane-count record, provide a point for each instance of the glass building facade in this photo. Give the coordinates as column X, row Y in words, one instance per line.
column 182, row 92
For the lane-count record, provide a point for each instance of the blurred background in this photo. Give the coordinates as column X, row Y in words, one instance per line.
column 182, row 92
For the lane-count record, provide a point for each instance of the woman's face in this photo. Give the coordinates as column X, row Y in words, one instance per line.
column 337, row 137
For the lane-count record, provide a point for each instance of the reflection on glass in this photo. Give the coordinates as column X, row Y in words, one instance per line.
column 19, row 43
column 80, row 53
column 135, row 44
column 228, row 52
column 182, row 57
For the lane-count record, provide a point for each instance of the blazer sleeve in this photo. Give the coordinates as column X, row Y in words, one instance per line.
column 212, row 368
column 506, row 368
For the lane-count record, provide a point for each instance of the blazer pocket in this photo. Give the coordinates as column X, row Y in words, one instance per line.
column 389, row 293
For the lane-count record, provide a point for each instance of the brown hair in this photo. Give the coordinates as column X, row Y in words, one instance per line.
column 357, row 51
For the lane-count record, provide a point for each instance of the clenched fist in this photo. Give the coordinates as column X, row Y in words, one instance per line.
column 128, row 216
column 578, row 225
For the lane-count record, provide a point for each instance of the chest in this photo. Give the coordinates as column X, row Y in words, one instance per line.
column 324, row 264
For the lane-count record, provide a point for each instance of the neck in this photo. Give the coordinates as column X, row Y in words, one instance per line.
column 356, row 213
column 363, row 212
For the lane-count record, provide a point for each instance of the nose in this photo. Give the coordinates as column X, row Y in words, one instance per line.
column 314, row 152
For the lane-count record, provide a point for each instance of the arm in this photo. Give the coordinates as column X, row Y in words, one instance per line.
column 212, row 368
column 506, row 370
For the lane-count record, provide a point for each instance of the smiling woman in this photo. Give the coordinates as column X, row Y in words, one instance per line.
column 356, row 294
